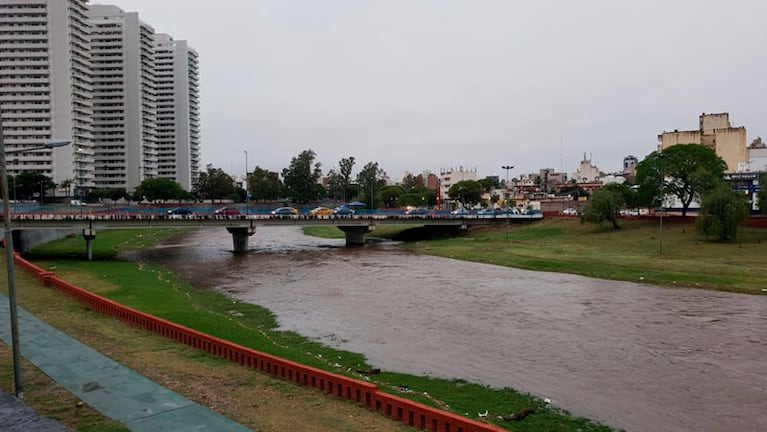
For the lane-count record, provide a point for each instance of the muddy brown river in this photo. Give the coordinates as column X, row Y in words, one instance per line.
column 638, row 357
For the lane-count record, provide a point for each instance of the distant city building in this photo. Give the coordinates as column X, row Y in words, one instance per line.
column 46, row 87
column 125, row 98
column 714, row 132
column 451, row 176
column 630, row 168
column 178, row 111
column 432, row 181
column 612, row 178
column 587, row 172
column 548, row 178
column 757, row 156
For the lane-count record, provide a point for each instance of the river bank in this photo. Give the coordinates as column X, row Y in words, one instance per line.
column 634, row 253
column 153, row 289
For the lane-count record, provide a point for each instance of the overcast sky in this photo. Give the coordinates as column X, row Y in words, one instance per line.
column 431, row 84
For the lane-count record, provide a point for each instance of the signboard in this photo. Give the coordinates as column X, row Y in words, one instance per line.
column 740, row 176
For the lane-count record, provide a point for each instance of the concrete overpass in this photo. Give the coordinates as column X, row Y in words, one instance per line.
column 241, row 228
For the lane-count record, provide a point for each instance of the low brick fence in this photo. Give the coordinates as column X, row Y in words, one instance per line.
column 401, row 409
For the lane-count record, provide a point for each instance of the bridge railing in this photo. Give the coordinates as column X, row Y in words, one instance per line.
column 401, row 409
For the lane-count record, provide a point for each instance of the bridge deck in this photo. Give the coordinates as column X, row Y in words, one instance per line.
column 99, row 222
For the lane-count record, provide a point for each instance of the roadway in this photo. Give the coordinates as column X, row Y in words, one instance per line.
column 138, row 221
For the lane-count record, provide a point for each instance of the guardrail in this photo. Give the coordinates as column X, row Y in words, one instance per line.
column 401, row 409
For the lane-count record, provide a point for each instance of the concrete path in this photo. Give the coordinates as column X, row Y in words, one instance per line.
column 112, row 389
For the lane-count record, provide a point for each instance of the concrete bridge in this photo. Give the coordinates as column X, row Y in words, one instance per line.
column 32, row 229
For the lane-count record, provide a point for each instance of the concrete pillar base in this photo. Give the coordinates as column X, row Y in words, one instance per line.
column 240, row 238
column 355, row 235
column 89, row 235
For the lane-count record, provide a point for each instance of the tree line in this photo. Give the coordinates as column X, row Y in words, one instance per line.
column 688, row 172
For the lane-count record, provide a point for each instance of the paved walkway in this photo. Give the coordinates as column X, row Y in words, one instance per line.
column 107, row 386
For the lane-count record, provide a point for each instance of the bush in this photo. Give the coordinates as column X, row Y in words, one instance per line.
column 721, row 212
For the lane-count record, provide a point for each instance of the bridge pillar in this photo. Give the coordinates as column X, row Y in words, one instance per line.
column 355, row 235
column 89, row 235
column 240, row 238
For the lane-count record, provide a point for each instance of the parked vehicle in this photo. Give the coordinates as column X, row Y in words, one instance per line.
column 77, row 202
column 227, row 211
column 418, row 212
column 180, row 211
column 486, row 212
column 285, row 212
column 460, row 212
column 321, row 211
column 570, row 212
column 343, row 211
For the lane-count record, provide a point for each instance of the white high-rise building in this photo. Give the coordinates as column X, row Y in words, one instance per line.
column 124, row 98
column 178, row 111
column 46, row 88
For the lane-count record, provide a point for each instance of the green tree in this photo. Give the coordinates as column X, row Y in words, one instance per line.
column 390, row 196
column 762, row 193
column 466, row 192
column 413, row 183
column 215, row 184
column 335, row 185
column 686, row 171
column 111, row 193
column 300, row 178
column 159, row 188
column 603, row 207
column 721, row 212
column 345, row 165
column 490, row 182
column 264, row 185
column 573, row 189
column 371, row 180
column 67, row 184
column 30, row 184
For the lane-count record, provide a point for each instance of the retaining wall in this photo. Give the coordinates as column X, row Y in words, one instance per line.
column 401, row 409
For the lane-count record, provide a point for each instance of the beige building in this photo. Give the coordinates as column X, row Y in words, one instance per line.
column 757, row 156
column 587, row 172
column 451, row 176
column 46, row 86
column 716, row 133
column 124, row 98
column 178, row 110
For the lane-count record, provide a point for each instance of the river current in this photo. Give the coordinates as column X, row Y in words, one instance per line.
column 635, row 356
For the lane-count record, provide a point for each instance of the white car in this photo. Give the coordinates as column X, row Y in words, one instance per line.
column 570, row 212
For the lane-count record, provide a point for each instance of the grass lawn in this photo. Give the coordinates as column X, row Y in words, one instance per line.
column 631, row 253
column 155, row 290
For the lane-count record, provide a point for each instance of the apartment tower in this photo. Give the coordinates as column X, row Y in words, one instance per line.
column 124, row 98
column 178, row 111
column 46, row 88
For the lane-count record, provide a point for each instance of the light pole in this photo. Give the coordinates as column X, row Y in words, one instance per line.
column 662, row 203
column 9, row 256
column 247, row 202
column 506, row 185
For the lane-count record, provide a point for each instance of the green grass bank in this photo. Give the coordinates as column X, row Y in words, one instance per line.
column 632, row 253
column 155, row 290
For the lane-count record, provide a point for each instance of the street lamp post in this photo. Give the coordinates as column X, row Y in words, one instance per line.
column 247, row 201
column 9, row 256
column 506, row 196
column 506, row 185
column 662, row 202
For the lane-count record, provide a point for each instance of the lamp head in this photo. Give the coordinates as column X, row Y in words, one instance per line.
column 57, row 143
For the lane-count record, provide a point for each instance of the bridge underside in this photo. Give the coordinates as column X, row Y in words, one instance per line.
column 240, row 237
column 355, row 234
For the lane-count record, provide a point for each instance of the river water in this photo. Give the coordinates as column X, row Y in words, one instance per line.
column 638, row 357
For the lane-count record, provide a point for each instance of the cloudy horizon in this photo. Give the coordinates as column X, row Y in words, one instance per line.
column 431, row 84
